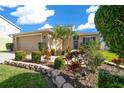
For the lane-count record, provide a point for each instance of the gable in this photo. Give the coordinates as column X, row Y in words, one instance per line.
column 7, row 28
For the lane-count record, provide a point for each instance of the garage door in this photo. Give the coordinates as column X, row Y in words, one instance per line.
column 28, row 43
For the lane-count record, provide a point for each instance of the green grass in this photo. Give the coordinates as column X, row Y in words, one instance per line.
column 14, row 77
column 108, row 55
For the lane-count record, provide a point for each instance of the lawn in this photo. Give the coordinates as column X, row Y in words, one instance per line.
column 108, row 55
column 14, row 77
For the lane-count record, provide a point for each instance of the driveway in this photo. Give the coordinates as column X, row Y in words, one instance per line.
column 6, row 56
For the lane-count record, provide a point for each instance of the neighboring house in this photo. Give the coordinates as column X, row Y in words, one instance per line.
column 6, row 28
column 84, row 38
column 29, row 41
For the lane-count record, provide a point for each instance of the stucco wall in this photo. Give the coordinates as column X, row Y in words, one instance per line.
column 6, row 29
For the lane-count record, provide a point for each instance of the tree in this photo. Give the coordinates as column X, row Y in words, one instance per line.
column 65, row 33
column 109, row 21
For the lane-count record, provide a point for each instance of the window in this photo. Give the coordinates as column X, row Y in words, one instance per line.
column 75, row 37
column 87, row 39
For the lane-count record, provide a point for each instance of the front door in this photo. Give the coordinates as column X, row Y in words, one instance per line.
column 75, row 44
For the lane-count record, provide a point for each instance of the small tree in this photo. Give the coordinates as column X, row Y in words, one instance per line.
column 94, row 60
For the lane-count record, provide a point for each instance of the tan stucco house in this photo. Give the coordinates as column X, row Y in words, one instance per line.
column 29, row 41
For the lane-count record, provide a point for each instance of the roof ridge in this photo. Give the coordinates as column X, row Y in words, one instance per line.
column 10, row 22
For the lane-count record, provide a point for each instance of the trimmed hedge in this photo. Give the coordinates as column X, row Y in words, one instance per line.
column 36, row 56
column 63, row 52
column 20, row 55
column 53, row 51
column 9, row 46
column 59, row 63
column 108, row 80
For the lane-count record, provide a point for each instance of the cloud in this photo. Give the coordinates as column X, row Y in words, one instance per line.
column 90, row 22
column 46, row 26
column 92, row 9
column 29, row 11
column 1, row 9
column 32, row 15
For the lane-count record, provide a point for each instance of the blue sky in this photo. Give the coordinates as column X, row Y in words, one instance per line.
column 51, row 15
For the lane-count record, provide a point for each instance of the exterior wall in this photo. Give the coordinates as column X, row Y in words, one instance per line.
column 5, row 29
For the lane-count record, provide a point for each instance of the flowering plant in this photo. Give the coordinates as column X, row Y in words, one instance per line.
column 118, row 60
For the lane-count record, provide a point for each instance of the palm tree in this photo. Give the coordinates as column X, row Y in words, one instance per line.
column 65, row 33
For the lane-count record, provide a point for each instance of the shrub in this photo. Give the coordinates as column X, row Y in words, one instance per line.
column 81, row 48
column 118, row 61
column 108, row 80
column 109, row 23
column 63, row 52
column 41, row 46
column 75, row 66
column 59, row 63
column 58, row 52
column 36, row 56
column 53, row 51
column 9, row 46
column 72, row 54
column 20, row 55
column 47, row 54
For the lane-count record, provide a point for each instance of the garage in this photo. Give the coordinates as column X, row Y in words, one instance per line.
column 28, row 43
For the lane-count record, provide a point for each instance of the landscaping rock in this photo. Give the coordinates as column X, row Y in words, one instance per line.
column 67, row 85
column 43, row 71
column 59, row 81
column 55, row 73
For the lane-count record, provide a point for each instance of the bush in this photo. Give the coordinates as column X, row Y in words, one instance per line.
column 63, row 52
column 20, row 55
column 41, row 46
column 9, row 46
column 58, row 52
column 59, row 63
column 108, row 80
column 36, row 56
column 53, row 51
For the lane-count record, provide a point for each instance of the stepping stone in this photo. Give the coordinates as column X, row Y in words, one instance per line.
column 59, row 81
column 67, row 85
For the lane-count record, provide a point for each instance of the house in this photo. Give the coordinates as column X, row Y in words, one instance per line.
column 29, row 41
column 84, row 38
column 6, row 28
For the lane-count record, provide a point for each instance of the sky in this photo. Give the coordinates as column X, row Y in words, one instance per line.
column 39, row 16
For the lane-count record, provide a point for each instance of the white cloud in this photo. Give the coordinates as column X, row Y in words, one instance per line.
column 1, row 9
column 46, row 26
column 32, row 15
column 90, row 22
column 92, row 9
column 30, row 11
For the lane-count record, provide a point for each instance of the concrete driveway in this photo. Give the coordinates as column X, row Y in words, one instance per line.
column 6, row 56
